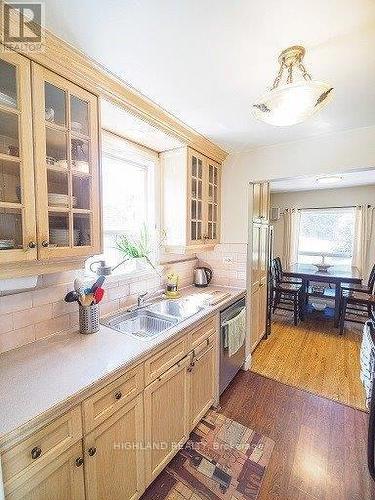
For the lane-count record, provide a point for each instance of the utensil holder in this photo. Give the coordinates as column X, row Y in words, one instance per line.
column 89, row 319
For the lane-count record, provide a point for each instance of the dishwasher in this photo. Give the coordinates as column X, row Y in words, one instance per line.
column 230, row 365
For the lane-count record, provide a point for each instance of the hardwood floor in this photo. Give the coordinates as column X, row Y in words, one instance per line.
column 320, row 450
column 314, row 357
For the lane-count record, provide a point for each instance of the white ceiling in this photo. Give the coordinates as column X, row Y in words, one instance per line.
column 347, row 179
column 206, row 61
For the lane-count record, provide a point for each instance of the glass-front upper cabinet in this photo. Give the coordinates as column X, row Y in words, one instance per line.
column 66, row 152
column 17, row 208
column 213, row 200
column 195, row 226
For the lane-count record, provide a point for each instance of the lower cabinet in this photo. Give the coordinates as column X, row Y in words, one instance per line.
column 166, row 417
column 119, row 456
column 114, row 455
column 202, row 382
column 61, row 479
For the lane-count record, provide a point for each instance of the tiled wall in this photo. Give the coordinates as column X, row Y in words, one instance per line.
column 29, row 316
column 228, row 262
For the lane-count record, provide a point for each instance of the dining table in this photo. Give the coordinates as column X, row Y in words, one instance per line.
column 335, row 275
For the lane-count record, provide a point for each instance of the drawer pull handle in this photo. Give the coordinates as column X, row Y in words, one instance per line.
column 36, row 452
column 79, row 461
column 45, row 244
column 92, row 451
column 118, row 395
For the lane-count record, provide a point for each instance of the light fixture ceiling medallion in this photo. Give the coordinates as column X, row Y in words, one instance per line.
column 292, row 102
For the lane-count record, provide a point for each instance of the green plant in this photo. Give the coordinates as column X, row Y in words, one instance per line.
column 137, row 246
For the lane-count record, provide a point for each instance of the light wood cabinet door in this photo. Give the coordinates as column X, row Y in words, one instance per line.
column 61, row 479
column 265, row 202
column 255, row 275
column 262, row 307
column 212, row 201
column 17, row 203
column 257, row 196
column 66, row 167
column 263, row 251
column 196, row 198
column 255, row 320
column 114, row 455
column 167, row 419
column 202, row 373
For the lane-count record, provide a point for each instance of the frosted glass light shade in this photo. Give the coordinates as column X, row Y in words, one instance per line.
column 292, row 103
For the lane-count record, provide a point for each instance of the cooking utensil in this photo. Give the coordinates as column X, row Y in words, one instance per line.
column 86, row 299
column 72, row 296
column 79, row 286
column 98, row 284
column 98, row 295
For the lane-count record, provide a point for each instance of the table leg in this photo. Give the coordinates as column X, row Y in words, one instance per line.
column 337, row 303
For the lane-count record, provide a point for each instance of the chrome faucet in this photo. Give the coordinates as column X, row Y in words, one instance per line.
column 142, row 296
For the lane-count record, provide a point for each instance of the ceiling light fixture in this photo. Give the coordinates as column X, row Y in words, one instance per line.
column 332, row 179
column 292, row 102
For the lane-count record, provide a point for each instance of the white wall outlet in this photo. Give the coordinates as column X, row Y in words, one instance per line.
column 228, row 260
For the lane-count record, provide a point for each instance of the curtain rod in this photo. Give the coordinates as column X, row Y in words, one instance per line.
column 327, row 208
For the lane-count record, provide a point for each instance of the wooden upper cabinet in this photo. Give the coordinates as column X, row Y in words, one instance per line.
column 17, row 207
column 191, row 200
column 212, row 201
column 261, row 202
column 66, row 166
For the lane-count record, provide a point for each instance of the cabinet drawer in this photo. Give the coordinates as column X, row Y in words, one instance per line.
column 202, row 331
column 204, row 346
column 161, row 361
column 105, row 402
column 39, row 449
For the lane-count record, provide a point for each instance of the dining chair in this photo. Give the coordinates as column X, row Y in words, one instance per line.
column 281, row 275
column 286, row 296
column 363, row 288
column 357, row 305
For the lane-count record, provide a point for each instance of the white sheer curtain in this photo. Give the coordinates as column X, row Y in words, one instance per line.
column 292, row 218
column 362, row 237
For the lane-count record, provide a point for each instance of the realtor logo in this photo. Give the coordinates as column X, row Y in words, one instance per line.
column 22, row 26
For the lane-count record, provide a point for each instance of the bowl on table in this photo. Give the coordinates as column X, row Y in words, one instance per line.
column 323, row 268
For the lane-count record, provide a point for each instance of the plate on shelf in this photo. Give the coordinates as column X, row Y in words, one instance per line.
column 81, row 166
column 7, row 100
column 7, row 244
column 60, row 200
column 77, row 126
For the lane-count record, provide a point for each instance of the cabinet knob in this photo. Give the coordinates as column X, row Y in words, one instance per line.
column 79, row 461
column 92, row 451
column 45, row 243
column 32, row 244
column 118, row 395
column 36, row 452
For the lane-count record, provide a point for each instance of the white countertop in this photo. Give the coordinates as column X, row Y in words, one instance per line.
column 46, row 374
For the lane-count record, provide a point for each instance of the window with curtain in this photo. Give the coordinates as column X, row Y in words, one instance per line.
column 128, row 193
column 326, row 232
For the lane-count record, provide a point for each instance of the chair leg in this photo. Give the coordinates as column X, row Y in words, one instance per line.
column 301, row 305
column 342, row 315
column 296, row 307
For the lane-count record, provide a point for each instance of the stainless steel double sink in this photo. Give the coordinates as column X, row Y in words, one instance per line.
column 150, row 320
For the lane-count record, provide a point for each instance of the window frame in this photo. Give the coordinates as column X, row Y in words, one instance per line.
column 329, row 255
column 112, row 146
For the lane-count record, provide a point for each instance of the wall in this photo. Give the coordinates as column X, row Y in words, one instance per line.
column 29, row 316
column 228, row 262
column 333, row 153
column 359, row 195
